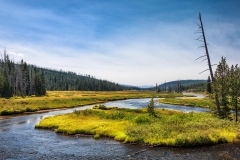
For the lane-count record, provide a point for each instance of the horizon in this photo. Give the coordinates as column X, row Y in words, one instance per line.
column 134, row 43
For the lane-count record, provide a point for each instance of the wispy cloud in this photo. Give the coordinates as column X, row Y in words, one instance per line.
column 134, row 51
column 16, row 54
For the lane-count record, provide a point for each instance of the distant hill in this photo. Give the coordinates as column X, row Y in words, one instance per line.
column 146, row 86
column 185, row 85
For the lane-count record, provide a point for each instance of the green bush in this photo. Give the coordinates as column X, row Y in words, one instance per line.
column 141, row 119
column 103, row 107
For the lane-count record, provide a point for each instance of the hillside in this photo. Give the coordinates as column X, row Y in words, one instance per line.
column 64, row 81
column 198, row 85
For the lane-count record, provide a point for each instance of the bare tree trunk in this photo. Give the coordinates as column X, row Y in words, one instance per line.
column 237, row 99
column 209, row 65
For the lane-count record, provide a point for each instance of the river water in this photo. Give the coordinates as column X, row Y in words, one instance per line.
column 19, row 140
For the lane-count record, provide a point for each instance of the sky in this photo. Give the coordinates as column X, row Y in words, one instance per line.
column 132, row 42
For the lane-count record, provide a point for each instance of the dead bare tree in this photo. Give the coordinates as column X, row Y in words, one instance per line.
column 202, row 38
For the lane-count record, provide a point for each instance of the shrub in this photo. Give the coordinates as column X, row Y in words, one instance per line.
column 117, row 115
column 151, row 108
column 103, row 107
column 141, row 119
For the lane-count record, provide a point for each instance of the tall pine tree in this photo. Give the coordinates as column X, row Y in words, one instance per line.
column 222, row 87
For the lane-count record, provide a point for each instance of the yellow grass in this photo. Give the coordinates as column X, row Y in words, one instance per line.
column 67, row 99
column 71, row 124
column 169, row 128
column 198, row 102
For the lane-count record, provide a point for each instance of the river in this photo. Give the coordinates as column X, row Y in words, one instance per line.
column 19, row 140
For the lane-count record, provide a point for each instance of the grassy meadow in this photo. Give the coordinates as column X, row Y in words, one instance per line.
column 168, row 128
column 69, row 99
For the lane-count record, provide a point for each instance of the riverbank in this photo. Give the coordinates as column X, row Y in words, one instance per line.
column 169, row 128
column 70, row 99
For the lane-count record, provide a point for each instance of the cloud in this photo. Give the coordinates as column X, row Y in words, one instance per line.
column 16, row 54
column 148, row 56
column 142, row 52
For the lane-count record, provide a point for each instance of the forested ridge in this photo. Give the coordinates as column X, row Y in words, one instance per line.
column 61, row 80
column 21, row 79
column 182, row 84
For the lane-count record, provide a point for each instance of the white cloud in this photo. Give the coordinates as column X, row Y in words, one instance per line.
column 136, row 54
column 16, row 54
column 135, row 60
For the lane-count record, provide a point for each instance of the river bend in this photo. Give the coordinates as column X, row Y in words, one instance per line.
column 19, row 140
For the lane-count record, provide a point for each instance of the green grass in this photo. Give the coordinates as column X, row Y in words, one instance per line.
column 168, row 128
column 198, row 102
column 69, row 99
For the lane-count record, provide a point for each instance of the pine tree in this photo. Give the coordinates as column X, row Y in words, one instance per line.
column 234, row 88
column 2, row 81
column 43, row 84
column 209, row 87
column 151, row 108
column 222, row 87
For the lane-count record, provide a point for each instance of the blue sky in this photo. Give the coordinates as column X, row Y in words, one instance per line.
column 134, row 42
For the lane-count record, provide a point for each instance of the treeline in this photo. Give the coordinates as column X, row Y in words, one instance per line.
column 198, row 87
column 227, row 88
column 180, row 86
column 19, row 79
column 66, row 81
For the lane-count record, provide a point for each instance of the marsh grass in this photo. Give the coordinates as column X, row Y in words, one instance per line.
column 198, row 102
column 69, row 99
column 169, row 128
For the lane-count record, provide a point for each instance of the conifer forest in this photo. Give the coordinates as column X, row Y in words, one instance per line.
column 21, row 79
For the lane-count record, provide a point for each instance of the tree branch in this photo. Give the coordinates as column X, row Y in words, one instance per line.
column 198, row 24
column 199, row 37
column 200, row 57
column 204, row 60
column 203, row 71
